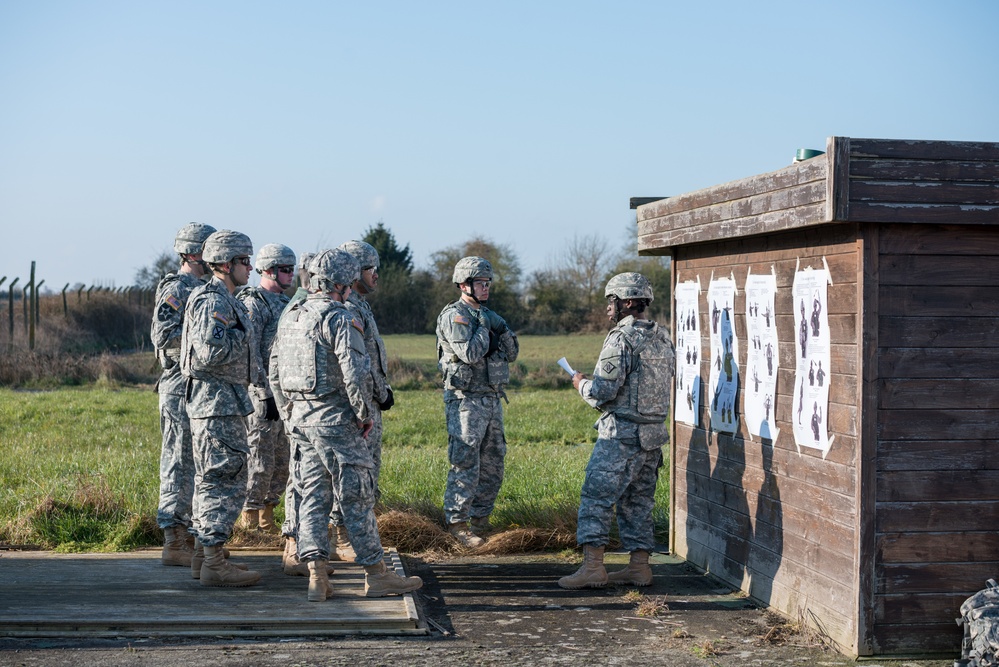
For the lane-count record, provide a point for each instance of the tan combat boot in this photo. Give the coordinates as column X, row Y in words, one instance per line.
column 480, row 525
column 460, row 532
column 198, row 559
column 591, row 574
column 319, row 581
column 638, row 572
column 266, row 520
column 249, row 520
column 175, row 549
column 379, row 581
column 343, row 550
column 217, row 571
column 294, row 567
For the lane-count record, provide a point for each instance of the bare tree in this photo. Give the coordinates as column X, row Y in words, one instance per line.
column 584, row 263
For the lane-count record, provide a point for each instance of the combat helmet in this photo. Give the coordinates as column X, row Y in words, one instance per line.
column 190, row 240
column 274, row 254
column 468, row 268
column 364, row 253
column 629, row 286
column 333, row 267
column 225, row 244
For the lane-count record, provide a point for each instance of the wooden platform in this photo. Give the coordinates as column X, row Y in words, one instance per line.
column 132, row 595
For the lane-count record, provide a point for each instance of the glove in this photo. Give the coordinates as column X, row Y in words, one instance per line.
column 495, row 322
column 389, row 401
column 272, row 414
column 493, row 342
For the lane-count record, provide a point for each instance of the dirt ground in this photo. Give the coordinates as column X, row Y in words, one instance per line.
column 508, row 611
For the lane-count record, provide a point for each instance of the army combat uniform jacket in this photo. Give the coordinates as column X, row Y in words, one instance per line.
column 219, row 353
column 474, row 350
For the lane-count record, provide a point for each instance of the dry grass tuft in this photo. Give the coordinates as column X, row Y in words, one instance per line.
column 413, row 533
column 521, row 540
column 652, row 607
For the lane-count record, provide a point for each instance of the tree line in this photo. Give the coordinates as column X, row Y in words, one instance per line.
column 564, row 296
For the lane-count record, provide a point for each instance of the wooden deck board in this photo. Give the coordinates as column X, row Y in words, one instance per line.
column 43, row 594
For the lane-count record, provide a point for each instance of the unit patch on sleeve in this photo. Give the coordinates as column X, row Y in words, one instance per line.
column 218, row 332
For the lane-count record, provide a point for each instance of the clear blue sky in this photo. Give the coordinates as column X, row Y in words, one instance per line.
column 305, row 123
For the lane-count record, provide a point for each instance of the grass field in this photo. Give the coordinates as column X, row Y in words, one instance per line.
column 413, row 360
column 79, row 466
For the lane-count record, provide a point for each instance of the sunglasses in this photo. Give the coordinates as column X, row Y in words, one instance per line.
column 286, row 269
column 245, row 261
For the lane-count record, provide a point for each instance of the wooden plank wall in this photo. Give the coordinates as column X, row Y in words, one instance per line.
column 778, row 523
column 937, row 507
column 937, row 367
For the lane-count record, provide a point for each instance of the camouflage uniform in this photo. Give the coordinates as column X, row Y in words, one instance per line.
column 293, row 491
column 321, row 367
column 176, row 455
column 630, row 385
column 379, row 389
column 267, row 475
column 220, row 357
column 474, row 349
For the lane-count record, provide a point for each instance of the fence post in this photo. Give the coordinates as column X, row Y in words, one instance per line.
column 38, row 300
column 30, row 312
column 10, row 319
column 88, row 291
column 65, row 306
column 3, row 280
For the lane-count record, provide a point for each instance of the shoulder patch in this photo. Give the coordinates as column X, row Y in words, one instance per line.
column 220, row 317
column 460, row 319
column 173, row 302
column 608, row 368
column 357, row 324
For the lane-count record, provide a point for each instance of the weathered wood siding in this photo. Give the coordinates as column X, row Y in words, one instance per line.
column 776, row 522
column 937, row 506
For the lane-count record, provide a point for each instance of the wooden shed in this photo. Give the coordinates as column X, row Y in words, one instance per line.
column 877, row 543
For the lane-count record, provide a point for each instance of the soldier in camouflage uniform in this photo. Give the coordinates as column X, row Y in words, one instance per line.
column 268, row 461
column 220, row 358
column 631, row 387
column 382, row 397
column 176, row 455
column 474, row 350
column 320, row 365
column 292, row 497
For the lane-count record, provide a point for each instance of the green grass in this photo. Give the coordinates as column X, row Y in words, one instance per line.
column 79, row 467
column 413, row 360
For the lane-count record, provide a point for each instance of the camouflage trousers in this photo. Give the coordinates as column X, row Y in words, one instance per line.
column 620, row 476
column 176, row 464
column 293, row 492
column 220, row 452
column 267, row 465
column 476, row 448
column 335, row 463
column 374, row 442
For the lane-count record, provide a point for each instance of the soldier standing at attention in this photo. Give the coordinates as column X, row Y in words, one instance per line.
column 268, row 461
column 381, row 398
column 220, row 358
column 321, row 367
column 474, row 350
column 176, row 456
column 631, row 387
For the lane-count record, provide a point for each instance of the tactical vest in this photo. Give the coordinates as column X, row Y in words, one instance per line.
column 307, row 369
column 166, row 336
column 239, row 369
column 644, row 398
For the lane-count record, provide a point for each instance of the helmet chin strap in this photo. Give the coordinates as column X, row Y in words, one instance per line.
column 471, row 290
